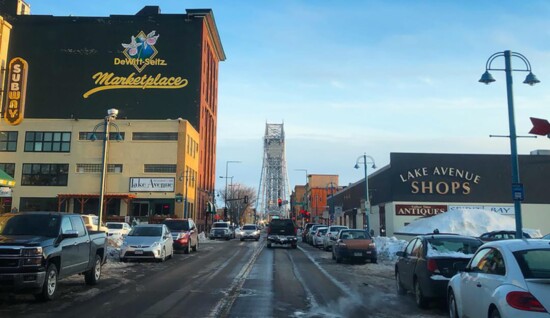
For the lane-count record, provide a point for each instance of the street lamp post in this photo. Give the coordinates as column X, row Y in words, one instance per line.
column 186, row 190
column 107, row 122
column 225, row 194
column 367, row 199
column 531, row 79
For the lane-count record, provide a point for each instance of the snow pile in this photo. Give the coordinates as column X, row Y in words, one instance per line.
column 202, row 237
column 472, row 222
column 386, row 247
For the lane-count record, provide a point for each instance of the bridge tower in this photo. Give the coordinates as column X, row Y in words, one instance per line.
column 273, row 193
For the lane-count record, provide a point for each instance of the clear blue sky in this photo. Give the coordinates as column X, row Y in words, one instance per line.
column 348, row 77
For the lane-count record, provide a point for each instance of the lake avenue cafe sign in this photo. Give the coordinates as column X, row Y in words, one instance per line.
column 151, row 184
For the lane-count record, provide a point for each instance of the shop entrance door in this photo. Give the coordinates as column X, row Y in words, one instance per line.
column 140, row 209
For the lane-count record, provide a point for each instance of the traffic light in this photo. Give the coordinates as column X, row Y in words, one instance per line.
column 245, row 199
column 280, row 202
column 225, row 213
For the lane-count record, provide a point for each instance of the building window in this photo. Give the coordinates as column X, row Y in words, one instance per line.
column 154, row 136
column 38, row 204
column 152, row 168
column 87, row 135
column 45, row 174
column 50, row 141
column 93, row 168
column 8, row 141
column 8, row 168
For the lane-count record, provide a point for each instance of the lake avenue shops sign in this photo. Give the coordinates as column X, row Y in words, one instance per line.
column 440, row 180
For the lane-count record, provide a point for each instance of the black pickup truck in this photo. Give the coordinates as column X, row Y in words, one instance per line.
column 38, row 248
column 283, row 232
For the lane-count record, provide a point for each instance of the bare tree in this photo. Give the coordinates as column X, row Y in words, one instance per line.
column 238, row 199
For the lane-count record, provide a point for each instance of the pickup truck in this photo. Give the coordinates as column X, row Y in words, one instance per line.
column 282, row 232
column 39, row 248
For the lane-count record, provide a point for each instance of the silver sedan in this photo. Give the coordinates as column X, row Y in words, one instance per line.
column 147, row 241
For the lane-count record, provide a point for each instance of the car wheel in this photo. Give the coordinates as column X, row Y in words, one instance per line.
column 50, row 284
column 268, row 245
column 338, row 259
column 294, row 246
column 420, row 299
column 187, row 248
column 398, row 285
column 374, row 260
column 453, row 312
column 242, row 239
column 92, row 276
column 257, row 239
column 494, row 313
column 196, row 247
column 333, row 257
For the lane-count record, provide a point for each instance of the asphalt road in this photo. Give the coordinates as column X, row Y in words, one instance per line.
column 229, row 279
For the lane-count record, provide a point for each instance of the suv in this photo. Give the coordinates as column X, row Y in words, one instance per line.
column 184, row 234
column 221, row 230
column 283, row 232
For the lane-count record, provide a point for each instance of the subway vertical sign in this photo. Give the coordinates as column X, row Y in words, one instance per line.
column 14, row 108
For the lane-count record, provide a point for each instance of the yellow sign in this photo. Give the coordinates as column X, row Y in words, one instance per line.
column 16, row 91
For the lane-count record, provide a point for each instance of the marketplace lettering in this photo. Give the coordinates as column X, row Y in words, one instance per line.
column 106, row 81
column 440, row 187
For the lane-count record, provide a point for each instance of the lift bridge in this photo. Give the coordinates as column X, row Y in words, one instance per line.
column 273, row 193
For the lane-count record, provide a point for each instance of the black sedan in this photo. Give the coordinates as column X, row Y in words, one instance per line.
column 428, row 263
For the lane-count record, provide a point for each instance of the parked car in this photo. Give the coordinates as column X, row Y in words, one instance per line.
column 221, row 230
column 148, row 241
column 317, row 237
column 184, row 234
column 332, row 231
column 311, row 232
column 39, row 248
column 282, row 232
column 250, row 231
column 91, row 221
column 546, row 237
column 354, row 245
column 428, row 263
column 501, row 235
column 117, row 228
column 306, row 231
column 508, row 278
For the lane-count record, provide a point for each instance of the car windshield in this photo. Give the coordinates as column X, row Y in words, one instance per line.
column 221, row 225
column 457, row 246
column 146, row 231
column 114, row 226
column 355, row 235
column 30, row 224
column 177, row 225
column 249, row 227
column 534, row 263
column 337, row 228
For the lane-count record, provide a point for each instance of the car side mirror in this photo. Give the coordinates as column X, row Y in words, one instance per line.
column 333, row 238
column 70, row 234
column 401, row 254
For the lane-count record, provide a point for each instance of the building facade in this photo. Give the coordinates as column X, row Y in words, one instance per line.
column 149, row 66
column 416, row 185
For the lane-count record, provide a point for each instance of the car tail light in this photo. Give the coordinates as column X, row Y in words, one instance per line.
column 524, row 301
column 432, row 266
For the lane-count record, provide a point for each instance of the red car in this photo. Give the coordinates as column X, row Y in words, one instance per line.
column 184, row 234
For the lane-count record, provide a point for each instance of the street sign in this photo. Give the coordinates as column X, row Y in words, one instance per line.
column 540, row 127
column 518, row 193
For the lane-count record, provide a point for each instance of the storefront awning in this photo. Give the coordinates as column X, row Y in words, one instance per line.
column 6, row 180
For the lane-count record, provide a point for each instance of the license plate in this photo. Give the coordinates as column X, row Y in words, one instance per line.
column 357, row 254
column 138, row 252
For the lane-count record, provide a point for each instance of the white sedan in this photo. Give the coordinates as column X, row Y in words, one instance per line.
column 509, row 278
column 119, row 229
column 153, row 241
